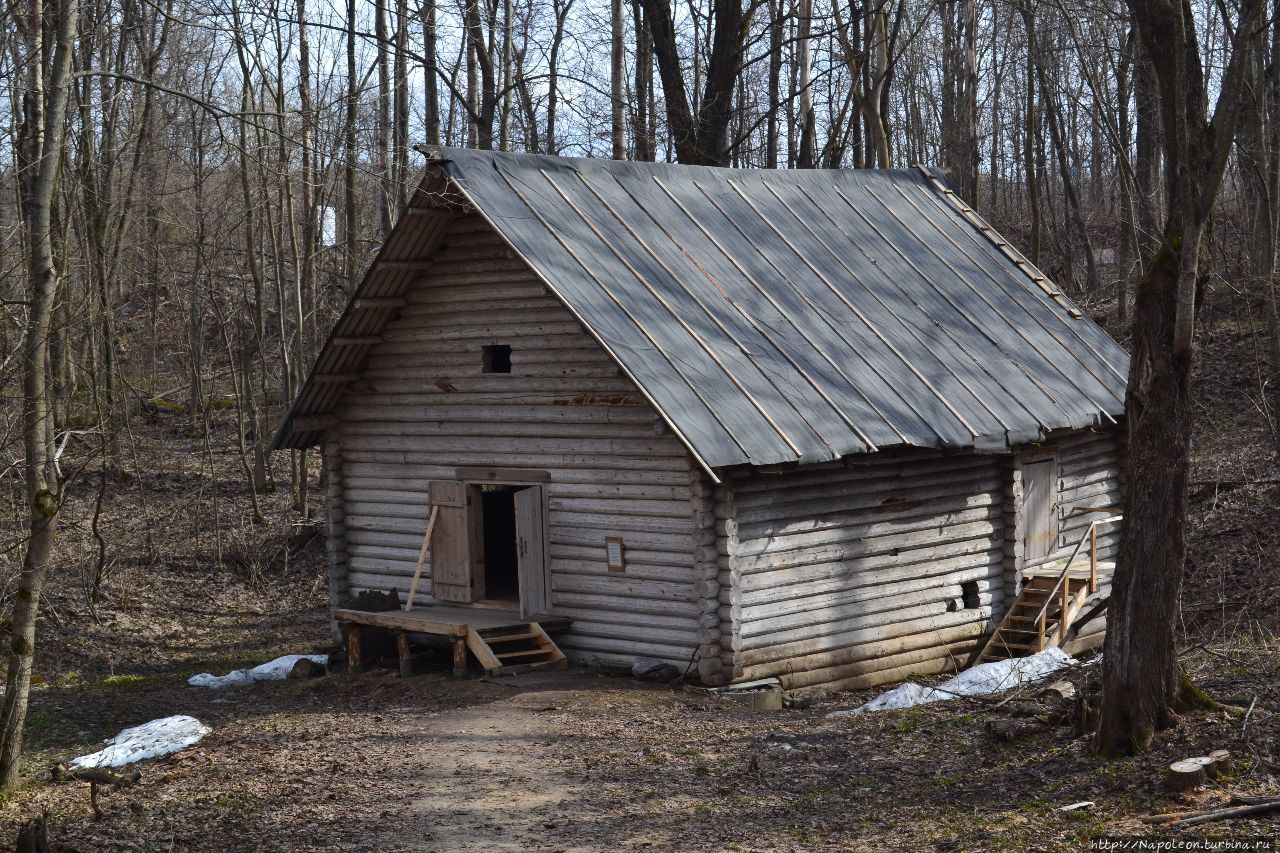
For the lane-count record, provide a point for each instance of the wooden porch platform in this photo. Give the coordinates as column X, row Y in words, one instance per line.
column 1080, row 570
column 500, row 640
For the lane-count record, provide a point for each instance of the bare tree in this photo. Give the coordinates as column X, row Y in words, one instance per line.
column 1143, row 686
column 41, row 138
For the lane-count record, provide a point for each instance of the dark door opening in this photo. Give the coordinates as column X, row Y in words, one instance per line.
column 501, row 557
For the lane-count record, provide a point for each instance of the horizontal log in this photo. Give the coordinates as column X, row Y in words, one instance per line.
column 626, row 651
column 895, row 623
column 621, row 586
column 621, row 607
column 861, row 676
column 756, row 613
column 812, row 670
column 797, row 533
column 935, row 538
column 586, row 537
column 391, row 409
column 443, row 290
column 802, row 586
column 848, row 568
column 893, row 609
column 682, row 558
column 873, row 494
column 547, row 435
column 885, row 464
column 449, row 461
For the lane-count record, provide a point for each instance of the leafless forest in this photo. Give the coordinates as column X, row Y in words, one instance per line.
column 191, row 191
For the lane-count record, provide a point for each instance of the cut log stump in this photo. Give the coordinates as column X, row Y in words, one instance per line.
column 1185, row 775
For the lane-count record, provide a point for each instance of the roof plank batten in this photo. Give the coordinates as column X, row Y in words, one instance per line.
column 783, row 313
column 848, row 303
column 1071, row 351
column 824, row 317
column 1014, row 395
column 987, row 328
column 1076, row 330
column 742, row 316
column 917, row 334
column 674, row 313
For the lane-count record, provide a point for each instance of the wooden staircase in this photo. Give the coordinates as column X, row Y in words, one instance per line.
column 1053, row 595
column 514, row 648
column 1039, row 618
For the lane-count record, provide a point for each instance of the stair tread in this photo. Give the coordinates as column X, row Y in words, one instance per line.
column 521, row 653
column 510, row 638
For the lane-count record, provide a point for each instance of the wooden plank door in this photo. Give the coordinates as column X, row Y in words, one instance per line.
column 450, row 542
column 530, row 534
column 1039, row 509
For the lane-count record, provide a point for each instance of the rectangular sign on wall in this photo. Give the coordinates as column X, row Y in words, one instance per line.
column 613, row 553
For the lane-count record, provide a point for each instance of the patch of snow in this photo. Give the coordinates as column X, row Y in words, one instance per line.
column 980, row 680
column 275, row 670
column 149, row 740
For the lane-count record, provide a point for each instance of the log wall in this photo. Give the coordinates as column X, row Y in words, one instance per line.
column 851, row 575
column 423, row 408
column 1089, row 475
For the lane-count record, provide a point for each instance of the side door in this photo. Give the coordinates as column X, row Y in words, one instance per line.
column 531, row 552
column 1039, row 509
column 450, row 542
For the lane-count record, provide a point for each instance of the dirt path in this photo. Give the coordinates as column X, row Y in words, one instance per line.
column 490, row 780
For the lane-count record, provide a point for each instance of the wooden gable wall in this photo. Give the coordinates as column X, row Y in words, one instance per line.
column 423, row 408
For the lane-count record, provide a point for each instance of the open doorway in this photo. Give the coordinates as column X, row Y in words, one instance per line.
column 499, row 557
column 507, row 538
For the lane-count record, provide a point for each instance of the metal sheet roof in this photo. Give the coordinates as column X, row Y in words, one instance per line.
column 800, row 316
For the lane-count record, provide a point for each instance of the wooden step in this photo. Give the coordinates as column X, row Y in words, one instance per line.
column 521, row 653
column 520, row 648
column 508, row 638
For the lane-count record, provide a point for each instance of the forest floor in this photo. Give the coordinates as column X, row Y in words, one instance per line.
column 578, row 761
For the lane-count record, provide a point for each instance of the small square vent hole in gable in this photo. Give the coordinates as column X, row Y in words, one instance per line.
column 497, row 359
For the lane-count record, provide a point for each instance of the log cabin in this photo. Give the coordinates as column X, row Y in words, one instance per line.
column 822, row 426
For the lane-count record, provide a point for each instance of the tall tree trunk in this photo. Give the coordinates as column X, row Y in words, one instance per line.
column 431, row 85
column 40, row 141
column 1031, row 177
column 641, row 132
column 1147, row 144
column 700, row 133
column 804, row 80
column 1061, row 151
column 617, row 81
column 349, row 153
column 775, row 82
column 382, row 145
column 1143, row 686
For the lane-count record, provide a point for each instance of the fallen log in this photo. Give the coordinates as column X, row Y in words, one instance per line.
column 95, row 776
column 1227, row 814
